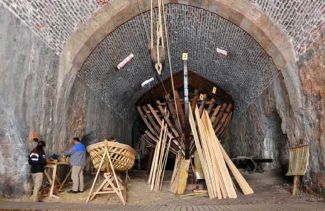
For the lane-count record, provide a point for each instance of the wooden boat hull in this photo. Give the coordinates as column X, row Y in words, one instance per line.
column 122, row 155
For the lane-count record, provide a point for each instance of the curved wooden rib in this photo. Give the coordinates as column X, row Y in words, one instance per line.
column 153, row 115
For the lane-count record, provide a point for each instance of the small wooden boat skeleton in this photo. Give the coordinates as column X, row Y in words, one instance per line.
column 109, row 157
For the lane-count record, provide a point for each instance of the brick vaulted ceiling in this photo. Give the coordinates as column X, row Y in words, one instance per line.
column 244, row 74
column 55, row 21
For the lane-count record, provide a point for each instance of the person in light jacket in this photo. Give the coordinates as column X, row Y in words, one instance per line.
column 77, row 155
column 37, row 161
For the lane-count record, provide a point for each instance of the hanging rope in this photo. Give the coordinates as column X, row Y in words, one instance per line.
column 160, row 29
column 158, row 65
column 151, row 25
column 169, row 59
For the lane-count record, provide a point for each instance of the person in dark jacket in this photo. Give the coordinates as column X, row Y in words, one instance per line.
column 37, row 161
column 77, row 160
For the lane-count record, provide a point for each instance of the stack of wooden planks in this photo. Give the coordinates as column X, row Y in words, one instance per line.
column 214, row 159
column 159, row 161
column 153, row 114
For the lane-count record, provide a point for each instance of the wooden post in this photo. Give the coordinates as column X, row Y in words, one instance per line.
column 98, row 171
column 295, row 187
column 186, row 125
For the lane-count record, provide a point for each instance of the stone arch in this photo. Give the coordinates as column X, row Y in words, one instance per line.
column 241, row 13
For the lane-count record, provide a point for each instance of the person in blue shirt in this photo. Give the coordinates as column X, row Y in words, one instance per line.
column 77, row 155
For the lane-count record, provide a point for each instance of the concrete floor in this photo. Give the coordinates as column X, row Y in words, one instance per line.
column 271, row 193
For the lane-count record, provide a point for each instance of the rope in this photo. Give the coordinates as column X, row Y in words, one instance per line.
column 170, row 60
column 160, row 40
column 151, row 25
column 161, row 11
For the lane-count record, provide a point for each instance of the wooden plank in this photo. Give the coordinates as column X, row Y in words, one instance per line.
column 152, row 130
column 295, row 187
column 94, row 182
column 221, row 122
column 201, row 107
column 157, row 118
column 216, row 171
column 151, row 136
column 150, row 159
column 155, row 160
column 215, row 145
column 174, row 148
column 152, row 121
column 167, row 120
column 159, row 155
column 154, row 113
column 202, row 157
column 165, row 163
column 174, row 179
column 172, row 111
column 225, row 125
column 146, row 139
column 194, row 99
column 238, row 176
column 183, row 176
column 211, row 106
column 219, row 115
column 211, row 165
column 179, row 109
column 215, row 112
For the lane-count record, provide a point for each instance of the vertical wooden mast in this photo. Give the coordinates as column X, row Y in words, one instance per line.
column 186, row 108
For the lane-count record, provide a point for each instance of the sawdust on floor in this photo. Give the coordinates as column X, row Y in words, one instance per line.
column 268, row 188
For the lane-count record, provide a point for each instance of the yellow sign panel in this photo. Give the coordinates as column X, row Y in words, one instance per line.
column 184, row 56
column 203, row 96
column 214, row 90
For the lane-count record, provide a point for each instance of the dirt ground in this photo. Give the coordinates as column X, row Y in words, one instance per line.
column 272, row 192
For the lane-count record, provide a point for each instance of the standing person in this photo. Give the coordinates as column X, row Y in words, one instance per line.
column 37, row 161
column 77, row 160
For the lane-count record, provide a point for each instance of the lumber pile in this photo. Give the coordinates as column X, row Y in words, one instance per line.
column 214, row 159
column 153, row 114
column 159, row 161
column 169, row 129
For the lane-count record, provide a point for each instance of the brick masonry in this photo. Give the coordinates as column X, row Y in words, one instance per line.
column 54, row 21
column 27, row 61
column 244, row 74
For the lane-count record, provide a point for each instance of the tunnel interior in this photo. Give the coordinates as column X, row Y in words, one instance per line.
column 272, row 78
column 247, row 74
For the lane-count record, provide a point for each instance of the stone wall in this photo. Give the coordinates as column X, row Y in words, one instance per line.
column 257, row 131
column 312, row 75
column 264, row 127
column 27, row 94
